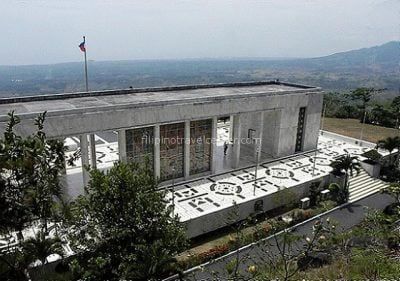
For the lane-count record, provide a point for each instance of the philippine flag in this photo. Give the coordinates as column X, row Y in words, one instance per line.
column 82, row 46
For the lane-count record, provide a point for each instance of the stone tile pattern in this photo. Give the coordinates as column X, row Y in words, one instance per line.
column 215, row 193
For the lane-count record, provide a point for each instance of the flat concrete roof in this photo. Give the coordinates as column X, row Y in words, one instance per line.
column 145, row 96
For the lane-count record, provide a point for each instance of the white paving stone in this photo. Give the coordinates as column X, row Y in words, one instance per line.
column 219, row 192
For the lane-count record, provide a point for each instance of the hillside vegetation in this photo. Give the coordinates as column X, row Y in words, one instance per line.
column 370, row 67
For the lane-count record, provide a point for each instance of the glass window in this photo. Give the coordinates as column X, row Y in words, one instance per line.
column 171, row 151
column 300, row 129
column 140, row 145
column 200, row 146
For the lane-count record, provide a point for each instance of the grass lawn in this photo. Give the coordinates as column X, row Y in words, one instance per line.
column 352, row 128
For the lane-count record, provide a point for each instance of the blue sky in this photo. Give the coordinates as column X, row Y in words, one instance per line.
column 49, row 31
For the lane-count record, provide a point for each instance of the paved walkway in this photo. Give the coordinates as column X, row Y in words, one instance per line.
column 347, row 217
column 212, row 194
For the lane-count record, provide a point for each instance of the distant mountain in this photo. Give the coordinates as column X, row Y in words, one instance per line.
column 375, row 67
column 385, row 57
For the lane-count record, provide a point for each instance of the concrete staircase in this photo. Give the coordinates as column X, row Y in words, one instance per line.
column 363, row 185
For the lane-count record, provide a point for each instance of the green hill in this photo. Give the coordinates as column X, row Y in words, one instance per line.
column 372, row 67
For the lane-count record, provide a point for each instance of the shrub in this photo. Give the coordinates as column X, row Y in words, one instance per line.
column 393, row 242
column 314, row 260
column 307, row 214
column 215, row 252
column 391, row 209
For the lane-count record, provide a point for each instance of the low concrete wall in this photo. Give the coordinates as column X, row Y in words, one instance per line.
column 213, row 221
column 348, row 139
column 372, row 169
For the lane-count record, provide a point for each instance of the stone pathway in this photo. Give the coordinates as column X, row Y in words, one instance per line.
column 214, row 193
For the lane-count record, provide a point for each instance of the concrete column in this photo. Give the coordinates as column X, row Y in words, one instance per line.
column 157, row 151
column 258, row 144
column 186, row 151
column 92, row 144
column 122, row 145
column 236, row 141
column 84, row 157
column 63, row 171
column 230, row 128
column 214, row 136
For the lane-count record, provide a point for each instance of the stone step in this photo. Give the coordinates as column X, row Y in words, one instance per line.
column 355, row 176
column 367, row 185
column 361, row 181
column 361, row 196
column 358, row 196
column 362, row 172
column 363, row 185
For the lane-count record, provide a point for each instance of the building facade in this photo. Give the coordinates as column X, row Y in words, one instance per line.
column 175, row 128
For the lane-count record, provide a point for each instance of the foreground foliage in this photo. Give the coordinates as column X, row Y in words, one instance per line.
column 29, row 192
column 122, row 227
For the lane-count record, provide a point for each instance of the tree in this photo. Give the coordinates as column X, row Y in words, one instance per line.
column 347, row 165
column 364, row 95
column 382, row 116
column 123, row 227
column 390, row 144
column 29, row 186
column 331, row 100
column 396, row 110
column 29, row 171
column 286, row 253
column 40, row 247
column 345, row 110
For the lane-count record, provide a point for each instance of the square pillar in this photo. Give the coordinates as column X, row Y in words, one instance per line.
column 157, row 151
column 230, row 128
column 92, row 143
column 63, row 171
column 84, row 157
column 214, row 145
column 258, row 144
column 186, row 151
column 122, row 145
column 236, row 141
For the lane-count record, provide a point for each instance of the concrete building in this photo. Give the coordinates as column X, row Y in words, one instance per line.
column 175, row 128
column 235, row 148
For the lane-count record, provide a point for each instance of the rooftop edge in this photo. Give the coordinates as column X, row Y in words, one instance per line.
column 10, row 100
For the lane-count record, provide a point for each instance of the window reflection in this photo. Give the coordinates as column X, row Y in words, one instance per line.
column 200, row 146
column 171, row 150
column 140, row 145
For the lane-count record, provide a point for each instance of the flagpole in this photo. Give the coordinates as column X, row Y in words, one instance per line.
column 86, row 76
column 92, row 140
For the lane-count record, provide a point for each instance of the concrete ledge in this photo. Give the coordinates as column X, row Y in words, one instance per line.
column 348, row 139
column 144, row 90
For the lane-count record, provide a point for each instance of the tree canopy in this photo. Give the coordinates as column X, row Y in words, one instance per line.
column 29, row 191
column 29, row 171
column 364, row 95
column 124, row 225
